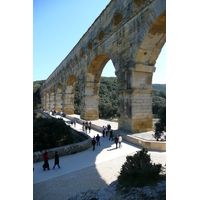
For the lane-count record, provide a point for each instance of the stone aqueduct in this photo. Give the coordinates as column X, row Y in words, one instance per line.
column 131, row 33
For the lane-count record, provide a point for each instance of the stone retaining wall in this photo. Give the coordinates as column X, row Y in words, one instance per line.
column 65, row 150
column 150, row 145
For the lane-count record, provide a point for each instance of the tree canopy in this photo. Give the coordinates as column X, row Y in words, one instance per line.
column 108, row 98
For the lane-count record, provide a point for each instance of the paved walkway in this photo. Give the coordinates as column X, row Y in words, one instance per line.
column 85, row 170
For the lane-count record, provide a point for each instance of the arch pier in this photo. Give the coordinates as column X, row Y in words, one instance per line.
column 129, row 33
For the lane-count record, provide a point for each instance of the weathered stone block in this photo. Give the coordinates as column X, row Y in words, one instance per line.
column 131, row 34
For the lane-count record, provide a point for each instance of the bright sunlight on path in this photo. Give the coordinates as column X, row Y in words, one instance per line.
column 85, row 170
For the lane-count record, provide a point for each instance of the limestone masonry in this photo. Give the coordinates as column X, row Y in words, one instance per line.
column 131, row 33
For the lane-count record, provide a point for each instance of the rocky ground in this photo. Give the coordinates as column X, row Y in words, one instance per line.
column 146, row 193
column 155, row 192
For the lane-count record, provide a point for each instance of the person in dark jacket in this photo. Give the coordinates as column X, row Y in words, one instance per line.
column 46, row 163
column 111, row 135
column 93, row 142
column 116, row 139
column 56, row 162
column 98, row 139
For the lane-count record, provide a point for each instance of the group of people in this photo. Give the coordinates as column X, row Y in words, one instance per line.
column 87, row 125
column 53, row 112
column 46, row 160
column 106, row 130
column 118, row 140
column 73, row 122
column 95, row 140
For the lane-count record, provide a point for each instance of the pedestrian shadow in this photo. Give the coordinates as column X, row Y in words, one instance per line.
column 112, row 149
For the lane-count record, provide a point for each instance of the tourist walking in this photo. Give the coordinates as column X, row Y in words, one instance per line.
column 56, row 161
column 120, row 141
column 116, row 140
column 46, row 163
column 90, row 126
column 109, row 127
column 98, row 139
column 93, row 142
column 86, row 128
column 103, row 131
column 111, row 135
column 106, row 129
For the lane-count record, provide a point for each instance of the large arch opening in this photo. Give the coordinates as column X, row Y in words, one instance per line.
column 92, row 87
column 159, row 76
column 141, row 77
column 69, row 95
column 108, row 95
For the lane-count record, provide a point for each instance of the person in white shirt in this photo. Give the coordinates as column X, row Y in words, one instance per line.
column 120, row 140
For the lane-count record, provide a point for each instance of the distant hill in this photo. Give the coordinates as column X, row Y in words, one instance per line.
column 108, row 97
column 37, row 84
column 159, row 87
column 36, row 93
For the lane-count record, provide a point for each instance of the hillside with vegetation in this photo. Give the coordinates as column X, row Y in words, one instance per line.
column 36, row 93
column 108, row 98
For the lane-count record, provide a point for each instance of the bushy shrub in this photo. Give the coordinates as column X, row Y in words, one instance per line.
column 50, row 133
column 161, row 124
column 138, row 171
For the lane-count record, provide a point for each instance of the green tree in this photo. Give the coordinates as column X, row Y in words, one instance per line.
column 161, row 124
column 138, row 170
column 50, row 133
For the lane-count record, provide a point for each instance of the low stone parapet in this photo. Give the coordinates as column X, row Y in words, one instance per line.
column 150, row 144
column 65, row 150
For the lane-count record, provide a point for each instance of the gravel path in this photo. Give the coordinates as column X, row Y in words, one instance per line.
column 94, row 177
column 85, row 170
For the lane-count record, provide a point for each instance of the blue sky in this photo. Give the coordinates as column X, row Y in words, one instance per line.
column 59, row 25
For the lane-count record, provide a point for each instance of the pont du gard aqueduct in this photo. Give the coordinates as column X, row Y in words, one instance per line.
column 131, row 33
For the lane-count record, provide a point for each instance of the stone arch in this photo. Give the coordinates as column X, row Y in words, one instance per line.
column 135, row 33
column 42, row 99
column 71, row 63
column 59, row 98
column 152, row 42
column 81, row 52
column 51, row 99
column 100, row 35
column 47, row 100
column 117, row 19
column 75, row 59
column 89, row 47
column 92, row 84
column 139, row 72
column 69, row 95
